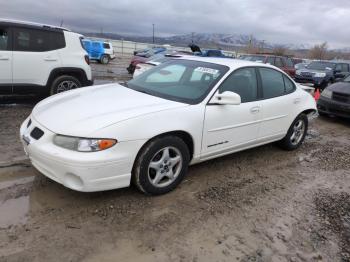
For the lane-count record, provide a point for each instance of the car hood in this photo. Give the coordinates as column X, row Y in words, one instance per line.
column 83, row 111
column 341, row 87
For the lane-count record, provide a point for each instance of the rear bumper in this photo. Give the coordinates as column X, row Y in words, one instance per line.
column 331, row 107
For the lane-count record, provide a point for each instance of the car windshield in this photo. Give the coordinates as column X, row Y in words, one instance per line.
column 255, row 58
column 179, row 80
column 321, row 66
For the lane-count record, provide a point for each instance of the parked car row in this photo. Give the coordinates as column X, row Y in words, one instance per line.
column 284, row 63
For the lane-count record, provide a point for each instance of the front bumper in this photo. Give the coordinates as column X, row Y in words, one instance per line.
column 329, row 106
column 80, row 171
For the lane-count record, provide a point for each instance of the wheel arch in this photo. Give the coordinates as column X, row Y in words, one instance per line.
column 71, row 71
column 185, row 136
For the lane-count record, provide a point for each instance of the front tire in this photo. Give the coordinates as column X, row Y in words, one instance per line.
column 161, row 165
column 296, row 133
column 64, row 83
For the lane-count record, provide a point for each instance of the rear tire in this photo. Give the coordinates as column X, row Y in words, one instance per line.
column 296, row 133
column 104, row 59
column 64, row 83
column 161, row 165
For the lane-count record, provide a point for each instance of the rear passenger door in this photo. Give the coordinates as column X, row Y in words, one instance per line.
column 278, row 103
column 34, row 57
column 5, row 60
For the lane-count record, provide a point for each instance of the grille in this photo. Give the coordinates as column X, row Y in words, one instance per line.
column 306, row 74
column 345, row 98
column 37, row 133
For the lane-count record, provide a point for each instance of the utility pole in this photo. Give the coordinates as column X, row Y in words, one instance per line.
column 192, row 37
column 262, row 45
column 61, row 23
column 153, row 32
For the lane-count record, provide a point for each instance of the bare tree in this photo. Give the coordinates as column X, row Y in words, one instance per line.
column 319, row 52
column 280, row 50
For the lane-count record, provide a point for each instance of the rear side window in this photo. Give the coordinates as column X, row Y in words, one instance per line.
column 34, row 40
column 4, row 39
column 57, row 40
column 106, row 46
column 289, row 85
column 289, row 62
column 242, row 82
column 272, row 83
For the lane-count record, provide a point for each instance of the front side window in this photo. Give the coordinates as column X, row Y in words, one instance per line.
column 4, row 39
column 270, row 60
column 179, row 80
column 272, row 82
column 31, row 40
column 242, row 82
column 106, row 46
column 278, row 62
column 342, row 67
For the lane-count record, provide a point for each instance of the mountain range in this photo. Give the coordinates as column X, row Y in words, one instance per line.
column 208, row 40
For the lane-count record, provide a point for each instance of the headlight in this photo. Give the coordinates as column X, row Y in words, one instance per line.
column 298, row 72
column 83, row 144
column 327, row 93
column 320, row 74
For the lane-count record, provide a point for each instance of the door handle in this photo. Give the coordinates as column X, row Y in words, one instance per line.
column 255, row 109
column 297, row 100
column 50, row 59
column 4, row 58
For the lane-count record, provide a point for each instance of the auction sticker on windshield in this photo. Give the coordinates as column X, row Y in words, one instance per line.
column 207, row 70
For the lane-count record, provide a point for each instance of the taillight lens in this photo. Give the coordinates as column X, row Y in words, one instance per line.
column 87, row 59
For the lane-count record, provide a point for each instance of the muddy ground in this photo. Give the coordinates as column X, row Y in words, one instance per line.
column 263, row 204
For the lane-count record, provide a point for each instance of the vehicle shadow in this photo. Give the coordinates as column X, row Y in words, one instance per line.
column 336, row 120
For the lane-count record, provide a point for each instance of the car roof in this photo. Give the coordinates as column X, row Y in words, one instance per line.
column 31, row 24
column 340, row 61
column 232, row 63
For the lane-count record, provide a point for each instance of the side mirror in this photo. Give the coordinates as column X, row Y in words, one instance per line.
column 226, row 98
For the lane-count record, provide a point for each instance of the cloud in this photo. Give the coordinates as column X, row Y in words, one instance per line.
column 297, row 21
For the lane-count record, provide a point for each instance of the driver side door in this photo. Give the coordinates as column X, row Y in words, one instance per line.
column 230, row 128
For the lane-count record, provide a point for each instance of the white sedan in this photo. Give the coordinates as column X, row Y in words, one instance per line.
column 150, row 129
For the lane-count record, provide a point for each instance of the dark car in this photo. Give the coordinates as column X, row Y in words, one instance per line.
column 284, row 63
column 335, row 99
column 207, row 53
column 321, row 73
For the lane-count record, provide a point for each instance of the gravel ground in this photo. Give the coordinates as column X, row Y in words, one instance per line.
column 262, row 204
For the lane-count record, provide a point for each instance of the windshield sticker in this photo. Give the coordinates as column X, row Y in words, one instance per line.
column 206, row 70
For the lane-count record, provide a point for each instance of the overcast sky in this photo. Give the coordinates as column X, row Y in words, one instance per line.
column 277, row 21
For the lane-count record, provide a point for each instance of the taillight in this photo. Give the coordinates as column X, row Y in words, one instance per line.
column 87, row 59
